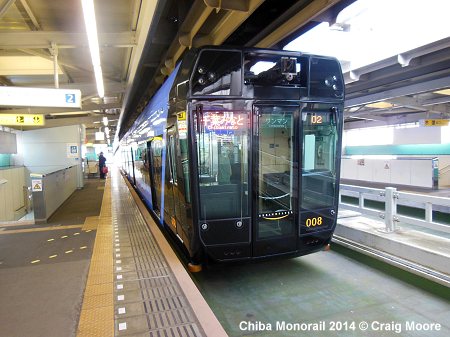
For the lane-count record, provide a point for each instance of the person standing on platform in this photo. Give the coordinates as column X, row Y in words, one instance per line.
column 101, row 165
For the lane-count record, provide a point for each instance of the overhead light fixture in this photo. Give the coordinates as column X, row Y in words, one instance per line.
column 91, row 30
column 380, row 105
column 443, row 92
column 99, row 136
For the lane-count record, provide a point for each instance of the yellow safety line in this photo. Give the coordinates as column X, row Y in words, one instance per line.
column 97, row 312
column 40, row 229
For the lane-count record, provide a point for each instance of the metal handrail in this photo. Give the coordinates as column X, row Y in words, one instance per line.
column 391, row 197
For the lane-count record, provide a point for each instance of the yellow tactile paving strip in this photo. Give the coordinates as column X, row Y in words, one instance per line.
column 97, row 312
column 41, row 229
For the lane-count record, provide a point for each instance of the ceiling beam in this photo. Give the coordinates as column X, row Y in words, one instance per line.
column 4, row 6
column 25, row 7
column 43, row 110
column 304, row 16
column 223, row 28
column 89, row 89
column 5, row 81
column 411, row 103
column 44, row 39
column 412, row 89
column 392, row 120
column 194, row 20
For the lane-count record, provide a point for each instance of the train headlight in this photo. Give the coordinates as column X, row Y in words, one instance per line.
column 211, row 76
column 204, row 226
column 330, row 81
column 201, row 80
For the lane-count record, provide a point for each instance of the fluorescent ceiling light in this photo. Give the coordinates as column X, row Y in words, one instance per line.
column 443, row 92
column 380, row 105
column 91, row 30
column 99, row 136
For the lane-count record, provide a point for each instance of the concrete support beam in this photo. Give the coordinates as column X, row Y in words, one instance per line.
column 41, row 39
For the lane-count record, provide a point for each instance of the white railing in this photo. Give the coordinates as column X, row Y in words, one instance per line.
column 391, row 197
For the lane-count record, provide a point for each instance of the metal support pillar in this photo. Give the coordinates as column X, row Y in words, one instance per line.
column 390, row 217
column 54, row 52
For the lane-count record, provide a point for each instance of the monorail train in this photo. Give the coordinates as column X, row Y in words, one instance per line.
column 238, row 153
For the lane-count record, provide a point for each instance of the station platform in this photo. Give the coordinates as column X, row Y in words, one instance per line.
column 128, row 282
column 418, row 252
column 101, row 267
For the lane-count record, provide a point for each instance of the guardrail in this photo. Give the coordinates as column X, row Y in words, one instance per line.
column 391, row 199
column 50, row 190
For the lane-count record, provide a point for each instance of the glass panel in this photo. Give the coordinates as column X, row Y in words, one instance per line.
column 273, row 69
column 319, row 160
column 173, row 170
column 223, row 164
column 156, row 147
column 276, row 171
column 218, row 72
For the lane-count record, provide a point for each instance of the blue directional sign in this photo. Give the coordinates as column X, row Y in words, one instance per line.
column 43, row 97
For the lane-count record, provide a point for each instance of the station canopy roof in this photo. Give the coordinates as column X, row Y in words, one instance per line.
column 393, row 56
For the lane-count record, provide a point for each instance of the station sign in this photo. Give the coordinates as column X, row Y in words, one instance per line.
column 40, row 97
column 22, row 119
column 434, row 122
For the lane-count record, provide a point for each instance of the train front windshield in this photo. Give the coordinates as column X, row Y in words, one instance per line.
column 319, row 179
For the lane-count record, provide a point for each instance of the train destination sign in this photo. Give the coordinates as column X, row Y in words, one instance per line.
column 224, row 120
column 22, row 119
column 42, row 97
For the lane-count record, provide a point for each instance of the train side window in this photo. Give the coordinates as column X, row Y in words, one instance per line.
column 218, row 73
column 182, row 151
column 172, row 161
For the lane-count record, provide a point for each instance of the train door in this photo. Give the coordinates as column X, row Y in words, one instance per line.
column 170, row 181
column 275, row 164
column 156, row 145
column 222, row 139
